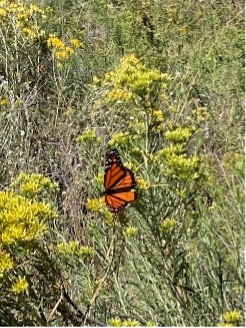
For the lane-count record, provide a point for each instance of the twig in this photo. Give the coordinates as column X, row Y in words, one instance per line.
column 55, row 307
column 80, row 313
column 102, row 282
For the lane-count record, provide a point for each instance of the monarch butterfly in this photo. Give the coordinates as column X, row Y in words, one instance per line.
column 118, row 183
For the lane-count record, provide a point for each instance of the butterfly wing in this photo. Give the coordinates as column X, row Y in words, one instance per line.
column 114, row 170
column 118, row 182
column 117, row 202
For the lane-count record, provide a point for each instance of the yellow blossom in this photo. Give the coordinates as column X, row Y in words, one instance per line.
column 29, row 32
column 24, row 17
column 201, row 113
column 100, row 178
column 30, row 185
column 3, row 12
column 169, row 151
column 3, row 101
column 185, row 30
column 120, row 95
column 164, row 96
column 109, row 218
column 232, row 316
column 20, row 285
column 6, row 262
column 130, row 232
column 225, row 324
column 68, row 248
column 55, row 42
column 130, row 60
column 120, row 138
column 183, row 167
column 133, row 82
column 76, row 43
column 69, row 50
column 158, row 115
column 141, row 183
column 23, row 219
column 132, row 166
column 87, row 135
column 33, row 8
column 179, row 134
column 167, row 225
column 86, row 250
column 96, row 79
column 94, row 204
column 130, row 323
column 61, row 55
column 151, row 324
column 73, row 248
column 115, row 322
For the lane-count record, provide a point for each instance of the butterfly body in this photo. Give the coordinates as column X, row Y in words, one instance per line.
column 119, row 183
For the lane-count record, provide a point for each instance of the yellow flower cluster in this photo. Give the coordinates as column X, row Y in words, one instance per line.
column 231, row 319
column 201, row 113
column 180, row 134
column 31, row 185
column 167, row 225
column 94, row 204
column 6, row 262
column 178, row 164
column 62, row 51
column 3, row 101
column 73, row 248
column 130, row 232
column 87, row 135
column 20, row 285
column 120, row 138
column 172, row 149
column 133, row 81
column 100, row 178
column 22, row 18
column 86, row 250
column 96, row 79
column 117, row 322
column 22, row 221
column 76, row 43
column 119, row 95
column 158, row 115
column 141, row 183
column 99, row 205
column 132, row 166
column 183, row 167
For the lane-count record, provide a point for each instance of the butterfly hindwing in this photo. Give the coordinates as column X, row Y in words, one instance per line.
column 117, row 202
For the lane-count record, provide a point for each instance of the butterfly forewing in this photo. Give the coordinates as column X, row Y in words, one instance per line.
column 114, row 170
column 126, row 183
column 113, row 176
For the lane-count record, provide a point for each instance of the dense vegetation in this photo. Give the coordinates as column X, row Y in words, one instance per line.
column 161, row 81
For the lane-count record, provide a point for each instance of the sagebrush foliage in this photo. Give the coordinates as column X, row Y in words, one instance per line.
column 162, row 81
